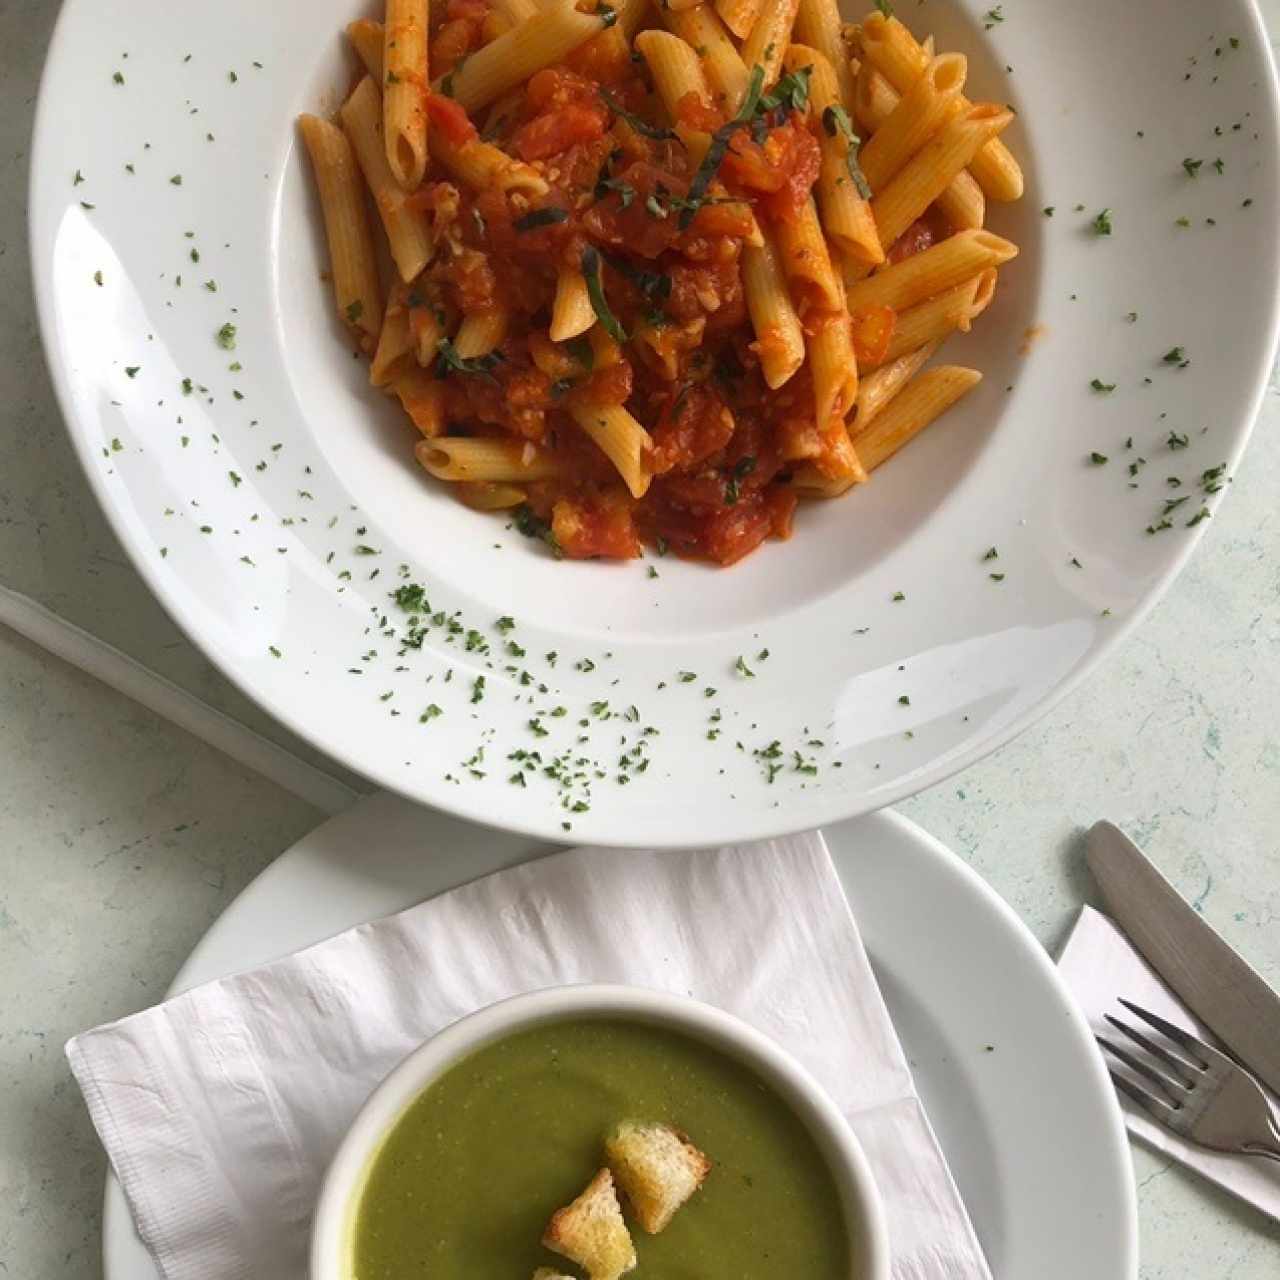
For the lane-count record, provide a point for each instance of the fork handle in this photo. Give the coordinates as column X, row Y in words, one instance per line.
column 1269, row 1149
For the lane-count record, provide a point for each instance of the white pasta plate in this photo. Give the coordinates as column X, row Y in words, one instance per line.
column 905, row 630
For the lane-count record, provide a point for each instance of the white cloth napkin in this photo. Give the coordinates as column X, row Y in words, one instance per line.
column 1099, row 964
column 221, row 1108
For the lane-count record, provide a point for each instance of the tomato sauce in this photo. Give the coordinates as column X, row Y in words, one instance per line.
column 670, row 242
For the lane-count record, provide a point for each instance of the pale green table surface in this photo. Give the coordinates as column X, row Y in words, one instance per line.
column 122, row 838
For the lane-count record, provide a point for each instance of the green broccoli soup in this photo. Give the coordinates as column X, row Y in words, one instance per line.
column 467, row 1180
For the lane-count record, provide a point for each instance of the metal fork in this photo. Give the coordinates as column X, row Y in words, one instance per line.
column 1200, row 1093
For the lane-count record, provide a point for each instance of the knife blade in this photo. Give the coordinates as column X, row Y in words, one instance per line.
column 1210, row 978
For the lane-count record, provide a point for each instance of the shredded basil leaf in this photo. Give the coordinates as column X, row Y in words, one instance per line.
column 452, row 362
column 595, row 291
column 743, row 467
column 640, row 126
column 626, row 192
column 835, row 119
column 536, row 218
column 580, row 350
column 792, row 92
column 719, row 146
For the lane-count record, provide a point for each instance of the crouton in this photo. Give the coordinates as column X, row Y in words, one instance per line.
column 657, row 1168
column 545, row 1273
column 592, row 1233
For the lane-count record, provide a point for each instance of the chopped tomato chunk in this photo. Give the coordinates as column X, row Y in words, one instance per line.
column 547, row 135
column 601, row 525
column 450, row 118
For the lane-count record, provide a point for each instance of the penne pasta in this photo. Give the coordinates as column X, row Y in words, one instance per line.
column 961, row 202
column 481, row 332
column 512, row 58
column 919, row 403
column 894, row 52
column 486, row 495
column 572, row 313
column 367, row 38
column 819, row 26
column 404, row 115
column 621, row 439
column 956, row 309
column 925, row 275
column 631, row 15
column 406, row 228
column 810, row 482
column 802, row 249
column 426, row 328
column 779, row 337
column 516, row 11
column 485, row 460
column 394, row 342
column 877, row 389
column 481, row 165
column 739, row 15
column 676, row 73
column 768, row 41
column 927, row 174
column 705, row 34
column 874, row 98
column 422, row 397
column 352, row 264
column 846, row 214
column 832, row 365
column 920, row 113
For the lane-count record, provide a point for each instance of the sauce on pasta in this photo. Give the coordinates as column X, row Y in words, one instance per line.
column 626, row 305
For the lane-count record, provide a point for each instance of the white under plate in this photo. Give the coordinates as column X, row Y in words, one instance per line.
column 1006, row 1066
column 900, row 648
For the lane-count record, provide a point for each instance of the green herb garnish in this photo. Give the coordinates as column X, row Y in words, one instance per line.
column 792, row 92
column 536, row 218
column 481, row 366
column 743, row 467
column 720, row 145
column 595, row 291
column 835, row 119
column 643, row 127
column 532, row 527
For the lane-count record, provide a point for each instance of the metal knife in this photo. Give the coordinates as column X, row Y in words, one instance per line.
column 1193, row 959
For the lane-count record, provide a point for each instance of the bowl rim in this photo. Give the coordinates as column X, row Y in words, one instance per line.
column 344, row 1178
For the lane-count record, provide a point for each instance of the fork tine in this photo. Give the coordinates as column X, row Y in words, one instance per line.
column 1155, row 1107
column 1141, row 1068
column 1176, row 1065
column 1183, row 1039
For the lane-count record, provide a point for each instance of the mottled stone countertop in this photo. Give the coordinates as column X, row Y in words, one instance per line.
column 122, row 838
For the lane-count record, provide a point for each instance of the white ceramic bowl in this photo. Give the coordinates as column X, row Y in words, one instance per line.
column 339, row 1195
column 897, row 652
